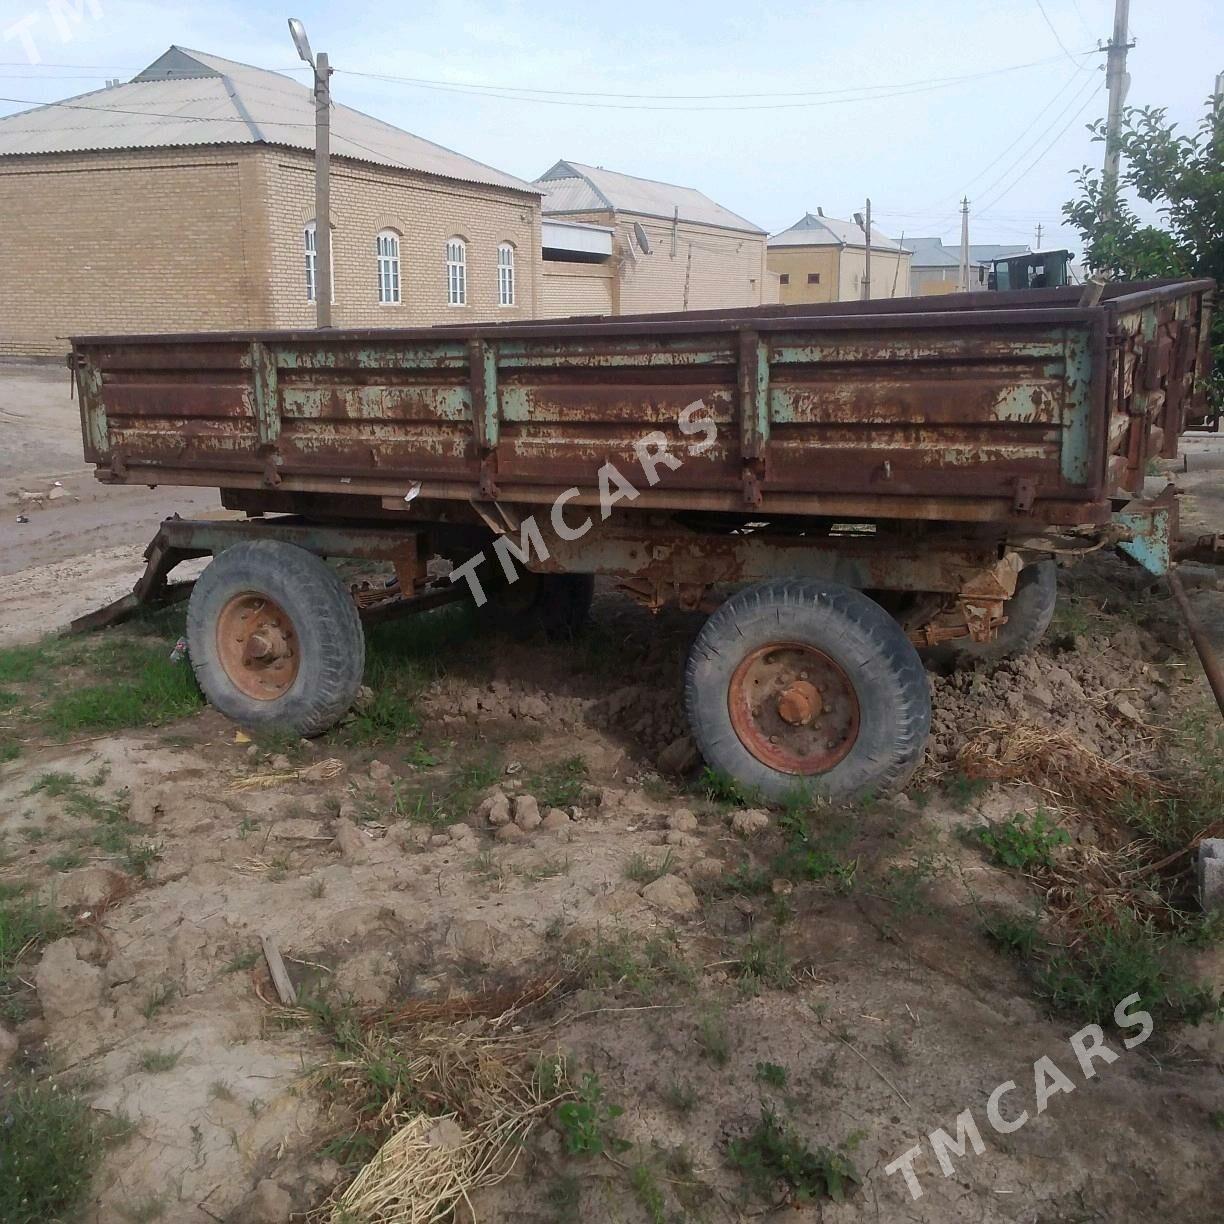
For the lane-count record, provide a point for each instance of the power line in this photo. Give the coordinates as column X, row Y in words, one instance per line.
column 1057, row 39
column 1040, row 156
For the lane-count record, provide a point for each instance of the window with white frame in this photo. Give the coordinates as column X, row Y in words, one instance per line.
column 310, row 247
column 388, row 268
column 312, row 260
column 505, row 274
column 456, row 272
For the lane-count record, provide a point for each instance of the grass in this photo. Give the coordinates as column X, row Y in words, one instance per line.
column 644, row 1183
column 558, row 785
column 159, row 997
column 641, row 869
column 155, row 1061
column 1023, row 841
column 447, row 797
column 52, row 1145
column 25, row 926
column 626, row 962
column 772, row 1154
column 763, row 964
column 713, row 1036
column 772, row 1074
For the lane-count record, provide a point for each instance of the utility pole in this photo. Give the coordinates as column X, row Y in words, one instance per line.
column 1116, row 82
column 863, row 220
column 1038, row 246
column 322, row 219
column 964, row 248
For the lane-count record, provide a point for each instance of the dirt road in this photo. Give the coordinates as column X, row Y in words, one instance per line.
column 83, row 541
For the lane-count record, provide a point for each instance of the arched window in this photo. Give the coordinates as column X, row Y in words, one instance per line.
column 505, row 274
column 387, row 246
column 456, row 272
column 312, row 261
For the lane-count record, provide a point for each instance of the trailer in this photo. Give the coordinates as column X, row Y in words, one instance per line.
column 840, row 486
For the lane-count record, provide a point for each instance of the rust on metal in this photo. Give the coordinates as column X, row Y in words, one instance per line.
column 1202, row 643
column 257, row 646
column 794, row 708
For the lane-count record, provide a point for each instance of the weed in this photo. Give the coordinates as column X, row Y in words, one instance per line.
column 764, row 965
column 680, row 1097
column 25, row 925
column 246, row 826
column 158, row 997
column 963, row 790
column 564, row 1195
column 55, row 784
column 219, row 1090
column 585, row 1123
column 65, row 860
column 546, row 869
column 52, row 1145
column 713, row 1037
column 771, row 1074
column 646, row 1190
column 774, row 1154
column 815, row 857
column 722, row 788
column 241, row 962
column 155, row 1061
column 905, row 886
column 140, row 856
column 449, row 798
column 1018, row 935
column 1215, row 1119
column 318, row 887
column 1114, row 961
column 1024, row 842
column 628, row 962
column 643, row 870
column 10, row 750
column 558, row 785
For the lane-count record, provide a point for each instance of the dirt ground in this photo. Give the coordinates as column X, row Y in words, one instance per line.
column 534, row 813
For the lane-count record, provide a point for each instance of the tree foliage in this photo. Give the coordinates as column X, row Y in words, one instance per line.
column 1183, row 175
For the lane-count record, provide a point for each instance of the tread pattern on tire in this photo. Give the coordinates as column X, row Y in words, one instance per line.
column 885, row 652
column 328, row 627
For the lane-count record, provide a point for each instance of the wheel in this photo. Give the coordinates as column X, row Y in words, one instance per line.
column 275, row 638
column 800, row 685
column 556, row 604
column 1029, row 612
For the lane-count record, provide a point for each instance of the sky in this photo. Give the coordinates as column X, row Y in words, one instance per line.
column 772, row 111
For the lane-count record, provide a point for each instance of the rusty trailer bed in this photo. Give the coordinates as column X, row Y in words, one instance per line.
column 1025, row 409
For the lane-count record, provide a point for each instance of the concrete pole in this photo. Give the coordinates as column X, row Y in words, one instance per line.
column 323, row 256
column 964, row 247
column 1038, row 247
column 1116, row 82
column 867, row 253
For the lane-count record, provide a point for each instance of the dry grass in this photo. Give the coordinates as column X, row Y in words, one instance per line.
column 1059, row 766
column 450, row 1090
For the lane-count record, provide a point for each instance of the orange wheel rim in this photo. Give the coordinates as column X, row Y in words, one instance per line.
column 793, row 708
column 258, row 646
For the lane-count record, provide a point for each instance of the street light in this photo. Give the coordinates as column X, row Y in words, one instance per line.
column 322, row 96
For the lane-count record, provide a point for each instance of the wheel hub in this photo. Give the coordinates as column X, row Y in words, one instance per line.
column 257, row 646
column 793, row 708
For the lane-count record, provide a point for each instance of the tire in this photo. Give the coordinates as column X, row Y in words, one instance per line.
column 869, row 661
column 1029, row 612
column 556, row 605
column 308, row 680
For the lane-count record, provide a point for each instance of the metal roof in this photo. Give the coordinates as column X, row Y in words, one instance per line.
column 571, row 187
column 187, row 98
column 931, row 253
column 812, row 230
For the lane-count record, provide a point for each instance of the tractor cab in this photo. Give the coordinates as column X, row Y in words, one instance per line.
column 1032, row 270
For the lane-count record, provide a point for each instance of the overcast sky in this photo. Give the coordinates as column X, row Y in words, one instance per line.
column 781, row 122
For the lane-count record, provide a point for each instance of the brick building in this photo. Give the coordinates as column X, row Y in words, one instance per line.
column 183, row 200
column 823, row 259
column 670, row 248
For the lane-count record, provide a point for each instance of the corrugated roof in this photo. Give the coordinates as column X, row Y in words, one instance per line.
column 812, row 230
column 931, row 253
column 571, row 187
column 189, row 98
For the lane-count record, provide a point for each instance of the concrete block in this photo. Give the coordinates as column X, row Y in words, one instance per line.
column 1211, row 873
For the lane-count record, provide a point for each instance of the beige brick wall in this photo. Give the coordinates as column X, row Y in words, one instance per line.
column 575, row 289
column 797, row 264
column 425, row 213
column 166, row 240
column 140, row 241
column 710, row 268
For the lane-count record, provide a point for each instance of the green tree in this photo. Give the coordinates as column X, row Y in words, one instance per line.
column 1183, row 175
